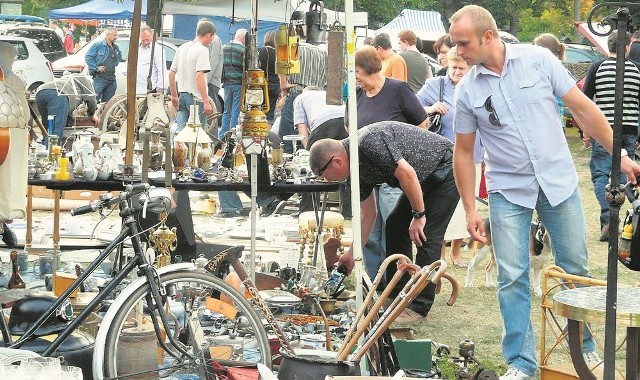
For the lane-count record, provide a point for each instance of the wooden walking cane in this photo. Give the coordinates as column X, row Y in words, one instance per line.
column 350, row 339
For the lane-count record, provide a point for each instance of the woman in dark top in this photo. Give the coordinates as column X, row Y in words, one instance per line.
column 384, row 99
column 267, row 56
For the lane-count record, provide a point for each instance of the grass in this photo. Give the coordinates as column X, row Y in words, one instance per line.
column 476, row 315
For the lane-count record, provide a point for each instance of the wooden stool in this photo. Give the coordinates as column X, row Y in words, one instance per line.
column 332, row 224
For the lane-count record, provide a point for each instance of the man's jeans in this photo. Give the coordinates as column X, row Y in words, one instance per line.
column 50, row 103
column 374, row 249
column 185, row 100
column 231, row 112
column 510, row 226
column 229, row 202
column 212, row 91
column 286, row 121
column 600, row 165
column 104, row 88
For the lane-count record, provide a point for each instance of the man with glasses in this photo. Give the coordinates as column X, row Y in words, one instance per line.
column 419, row 163
column 509, row 96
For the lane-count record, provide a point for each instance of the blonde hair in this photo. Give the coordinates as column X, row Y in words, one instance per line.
column 551, row 42
column 481, row 18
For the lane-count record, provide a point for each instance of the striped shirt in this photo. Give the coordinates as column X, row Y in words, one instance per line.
column 313, row 68
column 600, row 84
column 232, row 64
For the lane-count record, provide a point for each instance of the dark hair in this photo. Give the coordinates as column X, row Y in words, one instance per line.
column 382, row 40
column 444, row 39
column 612, row 41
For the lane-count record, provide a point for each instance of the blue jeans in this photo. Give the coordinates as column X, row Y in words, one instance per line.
column 104, row 88
column 185, row 100
column 600, row 165
column 229, row 202
column 232, row 92
column 50, row 103
column 286, row 121
column 374, row 251
column 510, row 224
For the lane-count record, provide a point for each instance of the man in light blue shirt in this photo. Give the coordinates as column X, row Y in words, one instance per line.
column 509, row 97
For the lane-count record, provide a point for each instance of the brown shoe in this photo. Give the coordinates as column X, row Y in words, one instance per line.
column 409, row 316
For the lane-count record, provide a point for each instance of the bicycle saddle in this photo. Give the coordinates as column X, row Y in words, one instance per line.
column 26, row 311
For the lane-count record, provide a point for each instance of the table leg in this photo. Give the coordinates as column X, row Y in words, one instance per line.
column 56, row 233
column 29, row 234
column 575, row 349
column 633, row 351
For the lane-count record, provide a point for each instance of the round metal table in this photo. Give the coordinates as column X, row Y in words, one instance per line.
column 589, row 305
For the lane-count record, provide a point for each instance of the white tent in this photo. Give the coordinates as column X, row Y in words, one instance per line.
column 427, row 25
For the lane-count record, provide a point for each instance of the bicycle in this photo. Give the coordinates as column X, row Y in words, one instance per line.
column 174, row 322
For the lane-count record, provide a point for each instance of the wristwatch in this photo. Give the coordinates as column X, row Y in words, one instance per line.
column 418, row 214
column 623, row 152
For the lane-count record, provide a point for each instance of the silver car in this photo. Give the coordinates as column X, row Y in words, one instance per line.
column 30, row 64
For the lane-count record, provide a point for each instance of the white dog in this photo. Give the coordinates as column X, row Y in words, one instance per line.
column 539, row 253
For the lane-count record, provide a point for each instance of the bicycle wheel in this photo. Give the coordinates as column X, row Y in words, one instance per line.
column 233, row 335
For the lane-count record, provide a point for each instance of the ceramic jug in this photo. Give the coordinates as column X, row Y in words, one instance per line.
column 104, row 162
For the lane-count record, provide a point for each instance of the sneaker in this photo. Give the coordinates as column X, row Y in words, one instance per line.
column 409, row 316
column 592, row 358
column 8, row 236
column 515, row 374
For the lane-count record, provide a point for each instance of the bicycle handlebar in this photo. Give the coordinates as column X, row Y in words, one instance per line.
column 84, row 209
column 130, row 191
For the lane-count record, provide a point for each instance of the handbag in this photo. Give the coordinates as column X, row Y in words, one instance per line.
column 435, row 123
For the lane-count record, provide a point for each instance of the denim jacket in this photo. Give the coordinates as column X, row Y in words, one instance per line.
column 98, row 53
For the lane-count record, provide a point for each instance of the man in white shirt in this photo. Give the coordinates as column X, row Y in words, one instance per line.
column 189, row 68
column 158, row 71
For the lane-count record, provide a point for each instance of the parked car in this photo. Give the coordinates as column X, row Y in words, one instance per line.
column 45, row 38
column 578, row 53
column 30, row 64
column 76, row 63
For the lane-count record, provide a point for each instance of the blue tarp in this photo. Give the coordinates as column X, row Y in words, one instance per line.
column 99, row 10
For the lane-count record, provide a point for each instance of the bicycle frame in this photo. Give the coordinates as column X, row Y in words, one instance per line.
column 139, row 260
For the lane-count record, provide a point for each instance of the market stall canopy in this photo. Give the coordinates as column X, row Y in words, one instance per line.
column 230, row 16
column 99, row 10
column 427, row 25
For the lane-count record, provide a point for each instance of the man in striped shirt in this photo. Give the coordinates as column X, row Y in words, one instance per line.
column 232, row 72
column 600, row 85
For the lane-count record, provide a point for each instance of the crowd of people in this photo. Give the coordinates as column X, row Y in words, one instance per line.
column 500, row 108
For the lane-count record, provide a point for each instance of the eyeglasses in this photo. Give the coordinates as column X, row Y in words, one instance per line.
column 493, row 117
column 325, row 167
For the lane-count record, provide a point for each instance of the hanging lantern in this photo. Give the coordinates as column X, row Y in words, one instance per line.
column 288, row 55
column 254, row 102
